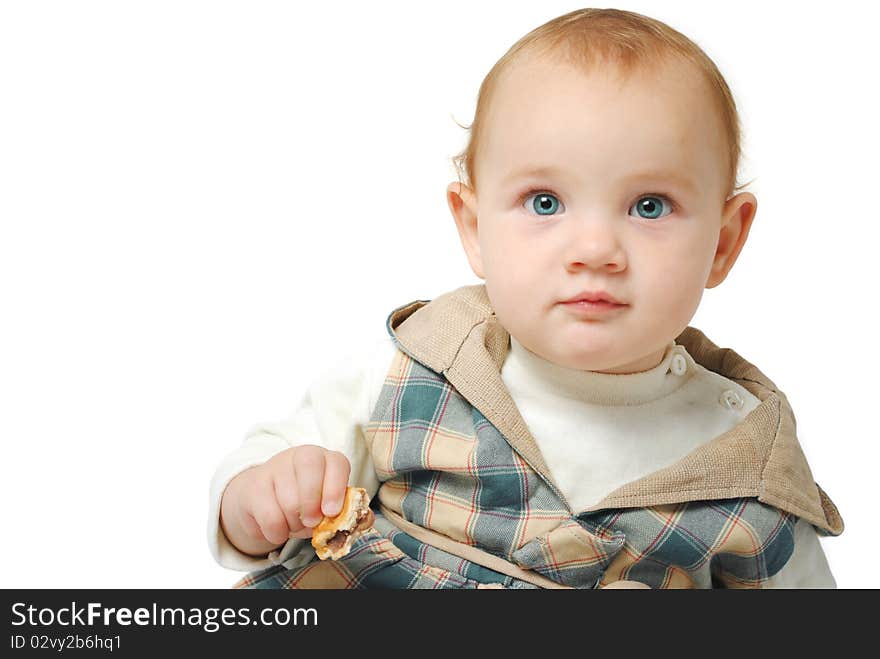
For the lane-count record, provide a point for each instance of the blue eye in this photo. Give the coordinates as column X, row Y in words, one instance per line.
column 650, row 206
column 544, row 203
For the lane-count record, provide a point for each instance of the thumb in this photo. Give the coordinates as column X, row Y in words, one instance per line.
column 302, row 533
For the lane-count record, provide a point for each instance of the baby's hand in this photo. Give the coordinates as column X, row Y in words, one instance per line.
column 284, row 497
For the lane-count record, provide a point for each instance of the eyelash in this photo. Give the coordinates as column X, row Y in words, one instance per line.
column 666, row 198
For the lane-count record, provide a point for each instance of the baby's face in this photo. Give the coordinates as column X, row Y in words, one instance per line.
column 588, row 183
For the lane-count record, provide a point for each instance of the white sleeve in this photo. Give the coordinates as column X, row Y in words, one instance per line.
column 808, row 566
column 331, row 414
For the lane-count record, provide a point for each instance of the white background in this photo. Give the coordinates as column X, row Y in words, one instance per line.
column 197, row 199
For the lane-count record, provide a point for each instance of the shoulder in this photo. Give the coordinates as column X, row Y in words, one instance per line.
column 344, row 389
column 378, row 357
column 360, row 368
column 350, row 373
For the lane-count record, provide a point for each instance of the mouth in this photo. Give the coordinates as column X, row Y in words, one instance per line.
column 594, row 297
column 593, row 308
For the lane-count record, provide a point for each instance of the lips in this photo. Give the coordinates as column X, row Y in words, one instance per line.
column 593, row 296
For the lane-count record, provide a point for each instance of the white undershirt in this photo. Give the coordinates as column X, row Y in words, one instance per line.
column 596, row 431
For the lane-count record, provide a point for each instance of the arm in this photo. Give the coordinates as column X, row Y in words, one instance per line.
column 808, row 566
column 769, row 547
column 331, row 414
column 783, row 554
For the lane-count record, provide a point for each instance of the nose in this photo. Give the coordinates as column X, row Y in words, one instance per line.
column 594, row 244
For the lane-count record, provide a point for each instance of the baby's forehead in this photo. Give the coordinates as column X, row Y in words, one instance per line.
column 546, row 105
column 610, row 147
column 665, row 71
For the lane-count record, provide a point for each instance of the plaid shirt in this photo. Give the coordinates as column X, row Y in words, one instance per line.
column 480, row 513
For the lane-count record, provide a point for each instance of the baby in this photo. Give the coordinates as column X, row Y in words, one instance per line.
column 560, row 425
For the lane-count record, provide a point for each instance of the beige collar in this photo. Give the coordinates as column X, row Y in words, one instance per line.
column 457, row 334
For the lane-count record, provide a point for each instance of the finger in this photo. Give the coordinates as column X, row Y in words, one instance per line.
column 251, row 526
column 309, row 468
column 271, row 520
column 305, row 532
column 336, row 472
column 287, row 495
column 245, row 521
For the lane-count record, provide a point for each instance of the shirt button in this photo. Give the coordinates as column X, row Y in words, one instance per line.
column 731, row 399
column 679, row 365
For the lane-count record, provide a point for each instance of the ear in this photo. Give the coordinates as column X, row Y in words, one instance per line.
column 736, row 220
column 463, row 205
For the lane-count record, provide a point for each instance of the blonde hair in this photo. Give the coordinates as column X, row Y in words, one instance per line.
column 625, row 39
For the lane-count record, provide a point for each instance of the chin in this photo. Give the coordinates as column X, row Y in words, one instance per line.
column 582, row 360
column 591, row 341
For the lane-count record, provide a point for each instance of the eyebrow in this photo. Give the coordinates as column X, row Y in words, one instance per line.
column 550, row 170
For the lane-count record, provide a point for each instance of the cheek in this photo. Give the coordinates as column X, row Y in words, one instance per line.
column 513, row 279
column 675, row 277
column 507, row 257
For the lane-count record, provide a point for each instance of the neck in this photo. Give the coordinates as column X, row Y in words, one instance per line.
column 598, row 387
